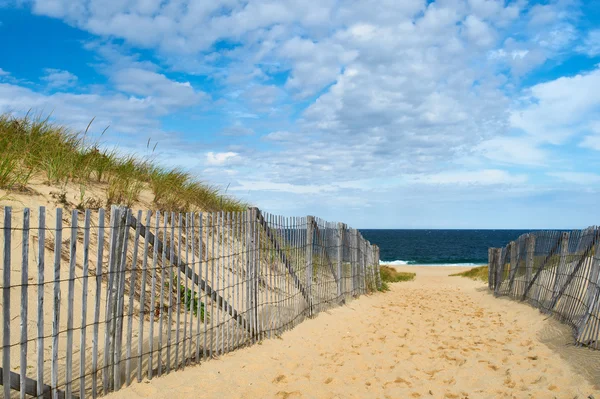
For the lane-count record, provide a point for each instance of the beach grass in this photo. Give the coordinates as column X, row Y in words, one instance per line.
column 36, row 147
column 391, row 275
column 477, row 273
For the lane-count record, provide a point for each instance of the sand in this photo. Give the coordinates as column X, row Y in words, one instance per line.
column 435, row 337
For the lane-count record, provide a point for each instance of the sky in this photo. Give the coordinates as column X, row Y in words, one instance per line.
column 377, row 113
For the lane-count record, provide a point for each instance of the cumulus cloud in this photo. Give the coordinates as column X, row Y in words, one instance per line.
column 220, row 158
column 56, row 78
column 154, row 85
column 556, row 110
column 3, row 72
column 342, row 91
column 591, row 44
column 478, row 177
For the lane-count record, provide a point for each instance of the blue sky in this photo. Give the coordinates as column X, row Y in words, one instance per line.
column 378, row 113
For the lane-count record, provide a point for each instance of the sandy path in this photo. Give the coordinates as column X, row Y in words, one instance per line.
column 436, row 337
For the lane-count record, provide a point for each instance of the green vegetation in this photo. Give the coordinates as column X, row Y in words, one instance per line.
column 35, row 147
column 191, row 304
column 476, row 273
column 391, row 275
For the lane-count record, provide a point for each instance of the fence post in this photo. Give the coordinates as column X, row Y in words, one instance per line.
column 499, row 268
column 310, row 231
column 356, row 274
column 377, row 270
column 530, row 258
column 364, row 265
column 514, row 265
column 491, row 264
column 117, row 282
column 591, row 294
column 564, row 251
column 251, row 270
column 340, row 254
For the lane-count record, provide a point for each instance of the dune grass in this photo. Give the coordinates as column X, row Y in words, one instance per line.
column 33, row 147
column 391, row 275
column 477, row 273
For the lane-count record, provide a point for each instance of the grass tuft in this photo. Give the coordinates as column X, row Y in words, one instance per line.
column 477, row 273
column 391, row 275
column 36, row 147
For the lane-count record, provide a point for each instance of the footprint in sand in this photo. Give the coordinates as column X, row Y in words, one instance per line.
column 286, row 395
column 280, row 379
column 328, row 380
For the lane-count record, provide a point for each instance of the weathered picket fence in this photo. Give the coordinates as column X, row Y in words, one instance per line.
column 557, row 272
column 131, row 294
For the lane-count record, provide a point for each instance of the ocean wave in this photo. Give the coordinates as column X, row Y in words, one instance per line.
column 394, row 263
column 413, row 263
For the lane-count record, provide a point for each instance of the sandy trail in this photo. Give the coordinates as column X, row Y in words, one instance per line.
column 435, row 337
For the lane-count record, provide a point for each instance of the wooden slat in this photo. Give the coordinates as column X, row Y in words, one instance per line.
column 132, row 279
column 56, row 318
column 212, row 227
column 99, row 261
column 84, row 295
column 24, row 291
column 205, row 347
column 71, row 299
column 40, row 298
column 310, row 226
column 204, row 285
column 6, row 300
column 189, row 304
column 322, row 241
column 222, row 262
column 178, row 298
column 107, row 377
column 161, row 298
column 155, row 253
column 340, row 249
column 124, row 222
column 143, row 297
column 229, row 277
column 573, row 273
column 199, row 293
column 31, row 387
column 170, row 306
column 269, row 235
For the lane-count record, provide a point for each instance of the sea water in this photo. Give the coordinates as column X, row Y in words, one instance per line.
column 438, row 247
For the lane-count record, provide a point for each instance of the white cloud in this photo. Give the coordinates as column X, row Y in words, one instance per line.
column 350, row 91
column 479, row 32
column 479, row 177
column 57, row 78
column 591, row 44
column 583, row 178
column 283, row 187
column 146, row 83
column 3, row 72
column 512, row 150
column 557, row 110
column 220, row 158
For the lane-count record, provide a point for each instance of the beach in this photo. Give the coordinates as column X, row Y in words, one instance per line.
column 434, row 337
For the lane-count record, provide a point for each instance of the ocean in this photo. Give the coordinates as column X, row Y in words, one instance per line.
column 438, row 247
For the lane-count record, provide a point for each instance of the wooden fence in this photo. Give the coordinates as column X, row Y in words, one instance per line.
column 92, row 301
column 557, row 272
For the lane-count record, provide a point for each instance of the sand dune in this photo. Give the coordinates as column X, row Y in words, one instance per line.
column 435, row 337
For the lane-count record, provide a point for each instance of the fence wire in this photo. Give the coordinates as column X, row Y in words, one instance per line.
column 557, row 272
column 93, row 301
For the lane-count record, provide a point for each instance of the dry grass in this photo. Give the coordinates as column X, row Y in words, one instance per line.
column 477, row 273
column 36, row 147
column 391, row 275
